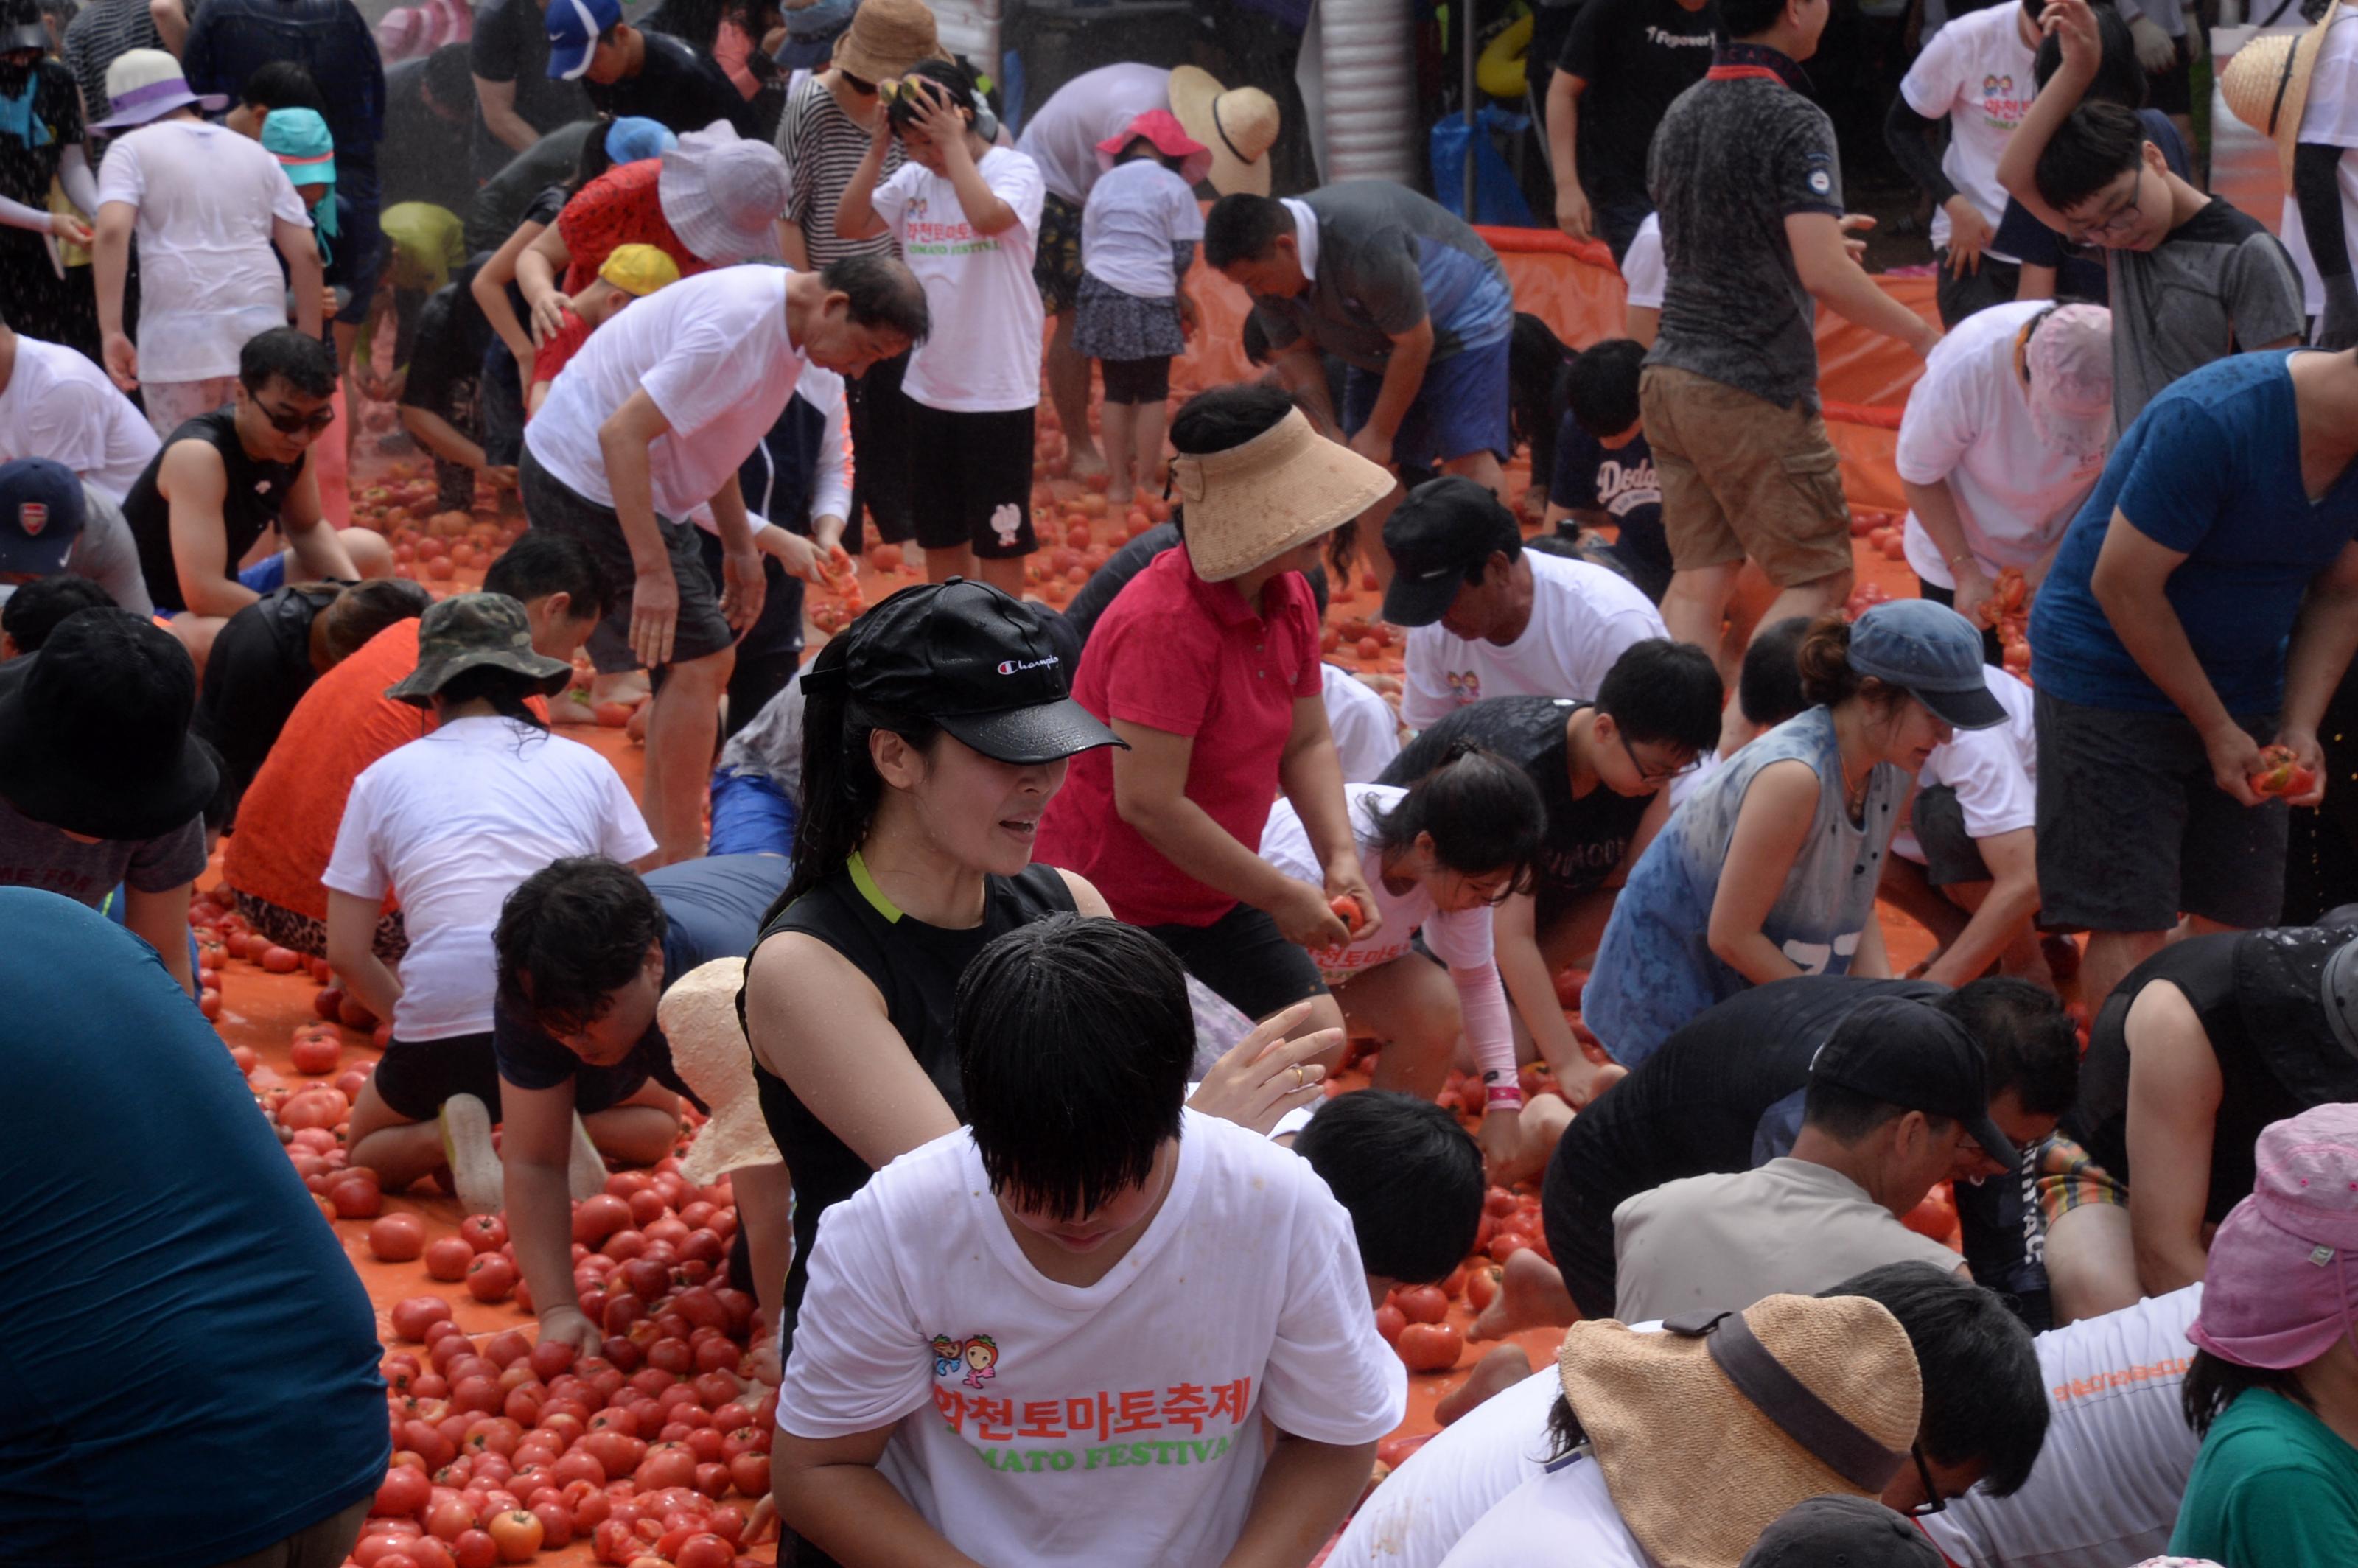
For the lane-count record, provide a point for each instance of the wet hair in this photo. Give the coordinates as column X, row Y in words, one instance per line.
column 1139, row 148
column 2214, row 1382
column 1827, row 679
column 595, row 159
column 450, row 77
column 365, row 609
column 541, row 563
column 880, row 293
column 841, row 789
column 1537, row 360
column 1768, row 687
column 306, row 364
column 282, row 84
column 695, row 22
column 1665, row 692
column 1410, row 1177
column 570, row 935
column 1748, row 18
column 506, row 689
column 2120, row 75
column 1226, row 416
column 1242, row 227
column 35, row 609
column 1075, row 1040
column 1601, row 389
column 2029, row 1040
column 1984, row 1397
column 1484, row 813
column 952, row 79
column 2095, row 144
column 1256, row 339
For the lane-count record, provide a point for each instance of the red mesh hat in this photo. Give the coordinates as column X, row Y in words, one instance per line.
column 1163, row 131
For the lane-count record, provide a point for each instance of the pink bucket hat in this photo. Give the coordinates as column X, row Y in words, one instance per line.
column 2069, row 364
column 2282, row 1283
column 1163, row 131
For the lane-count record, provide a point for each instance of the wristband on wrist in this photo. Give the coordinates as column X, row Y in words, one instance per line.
column 1501, row 1089
column 1961, row 557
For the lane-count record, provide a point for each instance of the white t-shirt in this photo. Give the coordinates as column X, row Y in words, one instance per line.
column 1968, row 421
column 983, row 354
column 1063, row 137
column 711, row 351
column 209, row 275
column 1424, row 1509
column 2106, row 1488
column 1583, row 618
column 1054, row 1424
column 60, row 405
column 1644, row 273
column 452, row 822
column 1975, row 73
column 1135, row 215
column 1461, row 940
column 830, row 482
column 1564, row 1514
column 2331, row 120
column 1366, row 730
column 1994, row 771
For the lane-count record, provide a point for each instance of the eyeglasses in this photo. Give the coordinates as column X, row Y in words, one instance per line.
column 1933, row 1502
column 1655, row 776
column 289, row 423
column 2122, row 219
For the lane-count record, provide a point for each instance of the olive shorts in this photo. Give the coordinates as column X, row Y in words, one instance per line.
column 1742, row 477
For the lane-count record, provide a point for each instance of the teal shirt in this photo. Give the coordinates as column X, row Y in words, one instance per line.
column 2272, row 1487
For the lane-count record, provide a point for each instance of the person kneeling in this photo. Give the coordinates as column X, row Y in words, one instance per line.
column 1072, row 1260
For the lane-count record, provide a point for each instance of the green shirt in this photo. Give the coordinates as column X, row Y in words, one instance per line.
column 2272, row 1487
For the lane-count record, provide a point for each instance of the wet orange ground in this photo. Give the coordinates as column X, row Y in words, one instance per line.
column 261, row 1010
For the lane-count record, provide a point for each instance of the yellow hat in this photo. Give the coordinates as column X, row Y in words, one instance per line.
column 638, row 270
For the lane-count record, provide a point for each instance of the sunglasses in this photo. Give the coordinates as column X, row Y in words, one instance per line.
column 289, row 423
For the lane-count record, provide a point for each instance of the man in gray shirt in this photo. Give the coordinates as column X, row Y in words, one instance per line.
column 1897, row 1100
column 51, row 521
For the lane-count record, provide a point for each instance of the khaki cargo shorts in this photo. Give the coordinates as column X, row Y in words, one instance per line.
column 1742, row 477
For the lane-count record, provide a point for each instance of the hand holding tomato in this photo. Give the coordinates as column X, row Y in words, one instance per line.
column 2292, row 770
column 566, row 1325
column 2234, row 757
column 1266, row 1074
column 1304, row 918
column 1344, row 881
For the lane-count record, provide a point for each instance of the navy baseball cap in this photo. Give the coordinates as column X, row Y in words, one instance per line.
column 573, row 30
column 1932, row 652
column 40, row 516
column 1438, row 537
column 1912, row 1054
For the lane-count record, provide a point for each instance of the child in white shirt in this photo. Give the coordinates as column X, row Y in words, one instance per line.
column 1113, row 1378
column 1137, row 239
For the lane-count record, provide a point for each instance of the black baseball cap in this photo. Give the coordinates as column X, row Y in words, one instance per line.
column 981, row 664
column 1913, row 1054
column 1852, row 1531
column 1437, row 536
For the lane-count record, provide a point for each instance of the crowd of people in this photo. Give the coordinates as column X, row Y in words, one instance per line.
column 1077, row 996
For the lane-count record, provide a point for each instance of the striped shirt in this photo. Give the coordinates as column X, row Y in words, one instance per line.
column 101, row 34
column 823, row 147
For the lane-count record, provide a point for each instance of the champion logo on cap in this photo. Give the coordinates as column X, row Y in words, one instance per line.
column 32, row 516
column 1017, row 666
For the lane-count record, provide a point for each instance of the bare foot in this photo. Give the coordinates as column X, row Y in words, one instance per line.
column 1496, row 1373
column 1531, row 1295
column 1087, row 459
column 1583, row 1090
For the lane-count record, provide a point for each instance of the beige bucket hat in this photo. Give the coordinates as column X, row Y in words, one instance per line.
column 1239, row 124
column 2266, row 84
column 1283, row 488
column 886, row 39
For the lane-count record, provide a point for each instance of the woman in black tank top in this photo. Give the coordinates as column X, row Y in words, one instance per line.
column 935, row 733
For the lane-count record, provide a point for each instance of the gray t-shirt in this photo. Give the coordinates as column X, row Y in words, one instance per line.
column 771, row 746
column 105, row 553
column 35, row 855
column 2219, row 284
column 1722, row 1242
column 500, row 205
column 1734, row 157
column 1383, row 258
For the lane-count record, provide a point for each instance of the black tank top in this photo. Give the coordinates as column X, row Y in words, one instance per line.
column 257, row 491
column 2252, row 1092
column 916, row 967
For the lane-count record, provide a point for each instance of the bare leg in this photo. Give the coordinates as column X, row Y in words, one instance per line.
column 639, row 1132
column 942, row 565
column 1411, row 1007
column 1325, row 1013
column 1906, row 889
column 1068, row 388
column 196, row 634
column 1483, row 469
column 1496, row 1373
column 1370, row 534
column 1532, row 1294
column 2091, row 1262
column 398, row 1150
column 1120, row 440
column 1004, row 573
column 1811, row 599
column 1153, row 419
column 371, row 557
column 683, row 724
column 1695, row 605
column 2111, row 955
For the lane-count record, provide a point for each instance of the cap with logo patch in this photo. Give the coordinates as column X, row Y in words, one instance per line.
column 969, row 657
column 1438, row 537
column 40, row 516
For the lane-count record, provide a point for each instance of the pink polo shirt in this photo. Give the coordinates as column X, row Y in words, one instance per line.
column 1177, row 653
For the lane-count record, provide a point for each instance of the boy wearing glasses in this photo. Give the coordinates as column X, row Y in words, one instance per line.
column 2193, row 279
column 225, row 478
column 1602, row 769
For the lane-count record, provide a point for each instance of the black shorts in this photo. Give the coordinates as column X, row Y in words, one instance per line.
column 879, row 413
column 1137, row 381
column 1951, row 855
column 974, row 486
column 1245, row 961
column 1056, row 256
column 2171, row 89
column 2133, row 832
column 702, row 631
column 417, row 1076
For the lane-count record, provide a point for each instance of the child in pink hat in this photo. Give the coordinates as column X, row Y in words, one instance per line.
column 2274, row 1388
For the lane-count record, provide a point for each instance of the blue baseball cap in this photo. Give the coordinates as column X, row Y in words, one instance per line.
column 40, row 516
column 633, row 137
column 1932, row 652
column 573, row 30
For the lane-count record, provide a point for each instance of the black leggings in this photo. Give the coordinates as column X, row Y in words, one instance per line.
column 1137, row 381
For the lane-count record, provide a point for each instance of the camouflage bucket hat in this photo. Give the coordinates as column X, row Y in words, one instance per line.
column 470, row 630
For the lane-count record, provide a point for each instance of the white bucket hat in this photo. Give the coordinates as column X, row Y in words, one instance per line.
column 722, row 195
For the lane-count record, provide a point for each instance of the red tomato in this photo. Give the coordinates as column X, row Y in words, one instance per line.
column 517, row 1534
column 357, row 1195
column 703, row 1550
column 281, row 960
column 411, row 1318
column 556, row 1524
column 484, row 1232
column 598, row 1217
column 490, row 1278
column 447, row 1257
column 397, row 1238
column 402, row 1492
column 475, row 1549
column 316, row 1056
column 667, row 1464
column 749, row 1473
column 1421, row 1303
column 1430, row 1346
column 1389, row 1321
column 445, row 1518
column 1346, row 910
column 1482, row 1287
